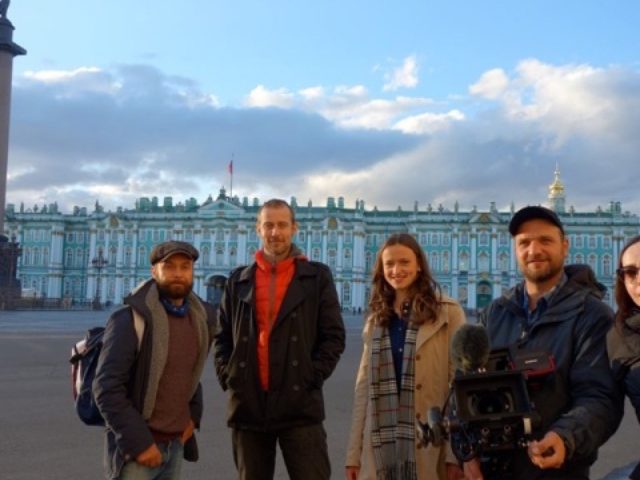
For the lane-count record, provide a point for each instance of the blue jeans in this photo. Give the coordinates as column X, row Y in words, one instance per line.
column 172, row 453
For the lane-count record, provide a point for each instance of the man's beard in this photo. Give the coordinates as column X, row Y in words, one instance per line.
column 541, row 276
column 174, row 290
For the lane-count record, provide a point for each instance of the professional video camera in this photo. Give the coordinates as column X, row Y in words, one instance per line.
column 488, row 413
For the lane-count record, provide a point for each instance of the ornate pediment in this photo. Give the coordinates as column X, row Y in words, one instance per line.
column 221, row 208
column 485, row 218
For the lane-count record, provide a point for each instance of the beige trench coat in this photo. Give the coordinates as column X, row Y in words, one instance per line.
column 433, row 372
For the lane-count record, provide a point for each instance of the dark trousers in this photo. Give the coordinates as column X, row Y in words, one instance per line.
column 304, row 450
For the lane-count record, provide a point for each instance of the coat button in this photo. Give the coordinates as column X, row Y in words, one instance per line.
column 245, row 338
column 418, row 386
column 242, row 364
column 294, row 363
column 417, row 358
column 296, row 388
column 418, row 416
column 294, row 338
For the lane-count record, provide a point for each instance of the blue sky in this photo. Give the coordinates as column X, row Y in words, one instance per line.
column 390, row 102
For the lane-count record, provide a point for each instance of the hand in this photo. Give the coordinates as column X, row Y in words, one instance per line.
column 549, row 452
column 454, row 472
column 351, row 473
column 188, row 432
column 472, row 470
column 151, row 457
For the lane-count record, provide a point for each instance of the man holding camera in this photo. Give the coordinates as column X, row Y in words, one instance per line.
column 557, row 310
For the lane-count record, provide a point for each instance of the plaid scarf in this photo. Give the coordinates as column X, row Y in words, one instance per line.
column 393, row 416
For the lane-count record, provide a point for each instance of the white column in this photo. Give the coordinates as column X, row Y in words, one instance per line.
column 473, row 267
column 454, row 251
column 494, row 250
column 242, row 245
column 56, row 257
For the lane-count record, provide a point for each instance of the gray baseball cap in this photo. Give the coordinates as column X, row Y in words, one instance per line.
column 164, row 250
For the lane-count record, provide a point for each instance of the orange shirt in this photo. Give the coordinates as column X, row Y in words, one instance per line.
column 272, row 282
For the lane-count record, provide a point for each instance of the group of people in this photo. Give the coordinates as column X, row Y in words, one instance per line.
column 278, row 335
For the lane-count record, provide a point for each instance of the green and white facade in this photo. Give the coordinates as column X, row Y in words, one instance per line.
column 470, row 252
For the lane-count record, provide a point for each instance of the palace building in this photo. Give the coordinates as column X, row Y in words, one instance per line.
column 84, row 255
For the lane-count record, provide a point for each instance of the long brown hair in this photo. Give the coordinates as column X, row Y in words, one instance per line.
column 424, row 292
column 625, row 303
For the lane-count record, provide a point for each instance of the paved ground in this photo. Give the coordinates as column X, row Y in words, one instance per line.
column 42, row 439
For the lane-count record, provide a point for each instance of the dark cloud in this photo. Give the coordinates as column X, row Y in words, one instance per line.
column 98, row 128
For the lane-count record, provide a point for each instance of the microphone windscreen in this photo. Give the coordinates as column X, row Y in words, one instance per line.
column 470, row 348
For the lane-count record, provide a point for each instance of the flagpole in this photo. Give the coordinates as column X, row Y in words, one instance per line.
column 231, row 177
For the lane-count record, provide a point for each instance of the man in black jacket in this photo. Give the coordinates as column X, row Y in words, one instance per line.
column 281, row 335
column 558, row 310
column 147, row 383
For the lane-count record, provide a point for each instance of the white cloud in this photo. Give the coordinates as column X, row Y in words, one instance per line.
column 59, row 76
column 491, row 84
column 405, row 76
column 429, row 123
column 262, row 97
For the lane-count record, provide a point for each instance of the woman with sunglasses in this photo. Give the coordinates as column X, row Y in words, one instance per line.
column 404, row 369
column 623, row 340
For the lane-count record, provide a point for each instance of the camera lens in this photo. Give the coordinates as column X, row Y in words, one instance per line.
column 490, row 403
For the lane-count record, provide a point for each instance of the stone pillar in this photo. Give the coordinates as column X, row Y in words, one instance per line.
column 9, row 249
column 8, row 50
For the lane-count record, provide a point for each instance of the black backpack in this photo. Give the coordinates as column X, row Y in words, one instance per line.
column 84, row 361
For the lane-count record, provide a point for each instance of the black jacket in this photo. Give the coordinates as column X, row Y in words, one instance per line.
column 580, row 400
column 305, row 344
column 125, row 376
column 623, row 345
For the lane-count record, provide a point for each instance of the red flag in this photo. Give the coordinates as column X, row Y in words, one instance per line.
column 230, row 167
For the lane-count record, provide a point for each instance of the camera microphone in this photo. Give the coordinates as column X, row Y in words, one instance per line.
column 470, row 349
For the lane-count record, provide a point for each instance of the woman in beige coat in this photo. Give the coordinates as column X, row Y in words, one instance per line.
column 404, row 370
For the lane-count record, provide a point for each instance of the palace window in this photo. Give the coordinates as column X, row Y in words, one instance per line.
column 205, row 256
column 445, row 262
column 606, row 266
column 347, row 257
column 483, row 262
column 142, row 256
column 434, row 260
column 463, row 262
column 346, row 293
column 503, row 262
column 464, row 238
column 332, row 258
column 68, row 257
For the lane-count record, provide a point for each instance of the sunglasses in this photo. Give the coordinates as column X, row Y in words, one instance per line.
column 629, row 274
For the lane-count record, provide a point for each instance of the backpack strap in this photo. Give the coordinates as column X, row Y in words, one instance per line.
column 138, row 325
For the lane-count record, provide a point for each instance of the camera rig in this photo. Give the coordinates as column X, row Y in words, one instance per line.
column 488, row 413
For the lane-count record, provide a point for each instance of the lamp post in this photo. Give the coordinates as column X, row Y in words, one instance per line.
column 98, row 263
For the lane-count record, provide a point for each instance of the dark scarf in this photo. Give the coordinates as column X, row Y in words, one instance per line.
column 173, row 309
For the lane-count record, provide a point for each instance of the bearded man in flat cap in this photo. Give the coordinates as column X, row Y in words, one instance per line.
column 147, row 383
